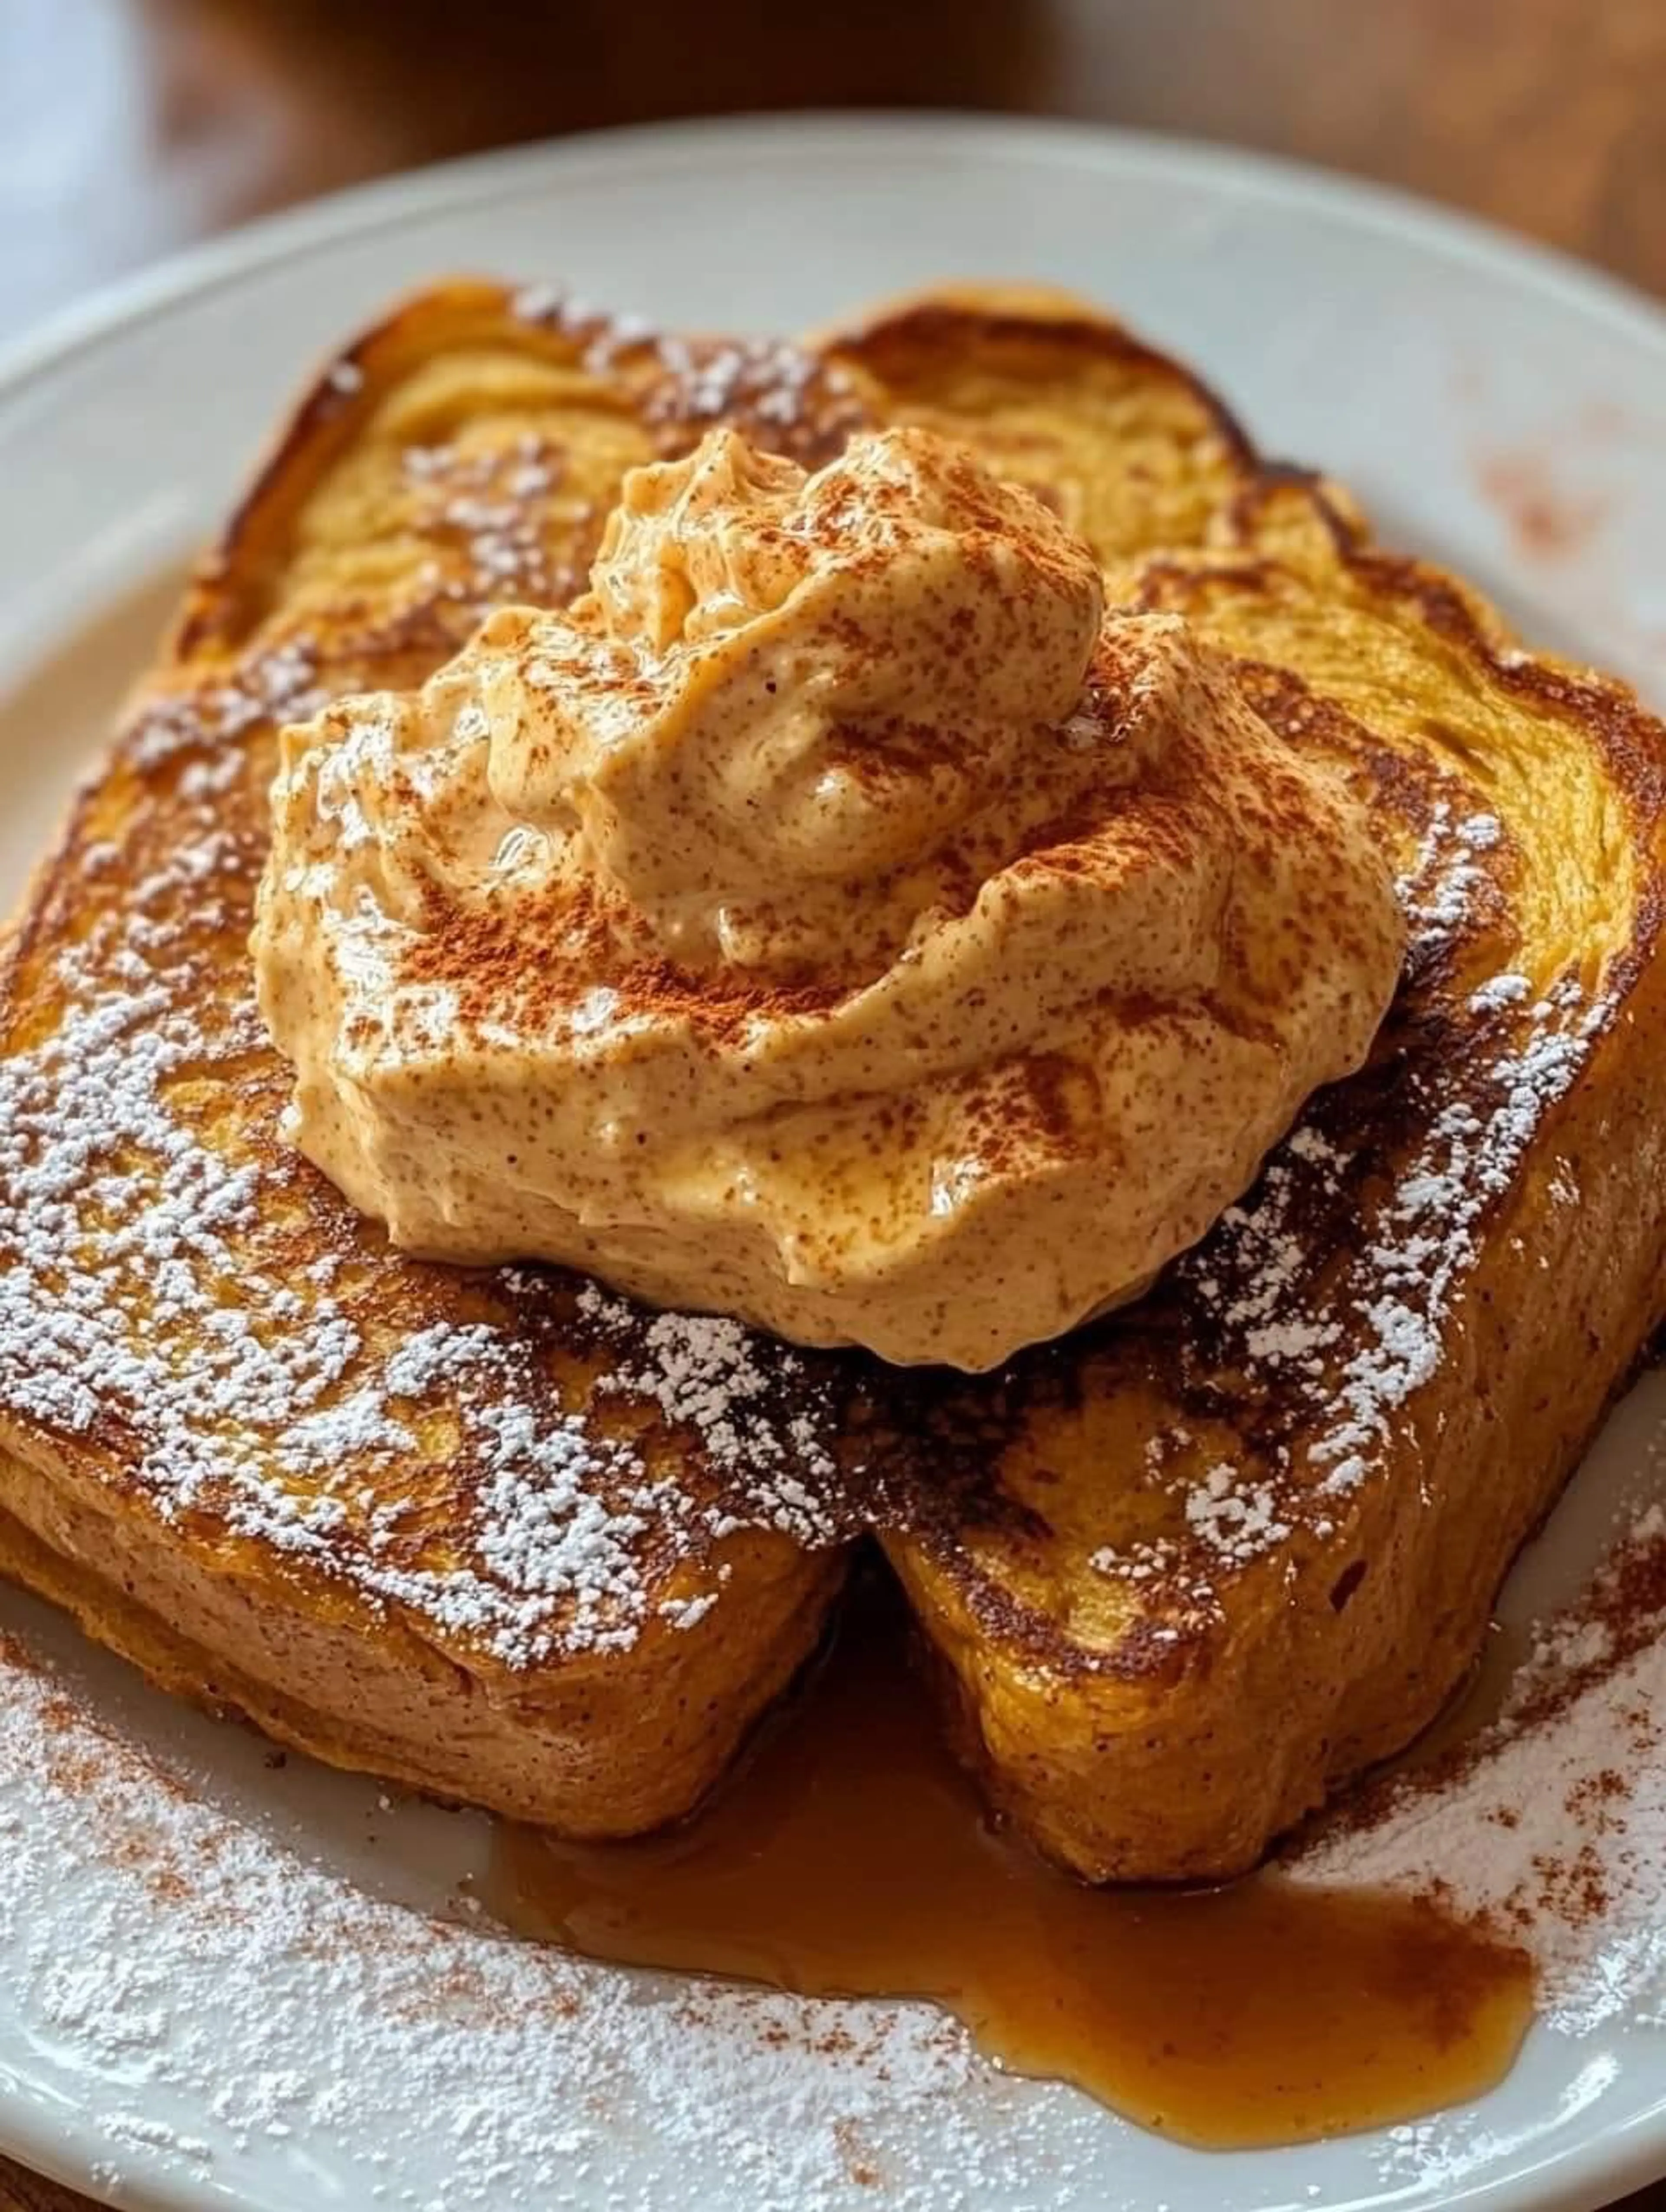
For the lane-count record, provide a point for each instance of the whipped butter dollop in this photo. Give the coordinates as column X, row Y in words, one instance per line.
column 833, row 919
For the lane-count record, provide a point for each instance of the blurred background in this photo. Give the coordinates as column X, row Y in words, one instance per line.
column 128, row 127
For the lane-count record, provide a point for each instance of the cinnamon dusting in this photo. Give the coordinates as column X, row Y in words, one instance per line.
column 616, row 945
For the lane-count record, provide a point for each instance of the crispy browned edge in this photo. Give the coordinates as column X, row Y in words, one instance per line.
column 321, row 426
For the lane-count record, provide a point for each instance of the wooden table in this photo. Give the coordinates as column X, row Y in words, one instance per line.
column 131, row 126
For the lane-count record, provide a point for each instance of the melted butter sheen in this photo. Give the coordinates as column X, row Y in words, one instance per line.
column 851, row 1857
column 834, row 919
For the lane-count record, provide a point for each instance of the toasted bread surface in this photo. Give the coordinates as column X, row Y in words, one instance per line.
column 510, row 1539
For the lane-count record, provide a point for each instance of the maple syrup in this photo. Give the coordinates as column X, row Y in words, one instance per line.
column 850, row 1856
column 1475, row 1704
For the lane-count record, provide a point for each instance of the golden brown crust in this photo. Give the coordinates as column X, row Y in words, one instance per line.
column 583, row 1749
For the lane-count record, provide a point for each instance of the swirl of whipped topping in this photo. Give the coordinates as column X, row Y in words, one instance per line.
column 834, row 919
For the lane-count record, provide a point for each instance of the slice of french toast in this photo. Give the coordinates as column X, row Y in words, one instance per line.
column 1192, row 1567
column 467, row 1531
column 514, row 1540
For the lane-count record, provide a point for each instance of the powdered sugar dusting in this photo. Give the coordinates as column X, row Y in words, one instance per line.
column 153, row 1308
column 1550, row 1825
column 1231, row 1521
column 482, row 512
column 705, row 1372
column 1333, row 1299
column 787, row 399
column 1357, row 1346
column 1436, row 892
column 116, row 1308
column 250, row 2013
column 275, row 683
column 254, row 2014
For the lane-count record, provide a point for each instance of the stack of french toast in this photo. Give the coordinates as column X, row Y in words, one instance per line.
column 504, row 1535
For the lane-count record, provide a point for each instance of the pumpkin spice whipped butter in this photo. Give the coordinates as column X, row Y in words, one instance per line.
column 833, row 919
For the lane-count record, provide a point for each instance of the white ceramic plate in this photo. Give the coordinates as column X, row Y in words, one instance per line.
column 218, row 1981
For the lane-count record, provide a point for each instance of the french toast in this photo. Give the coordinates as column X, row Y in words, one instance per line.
column 506, row 1537
column 1191, row 1568
column 446, row 1527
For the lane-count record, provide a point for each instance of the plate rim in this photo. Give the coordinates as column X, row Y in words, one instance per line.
column 1583, row 2175
column 217, row 263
